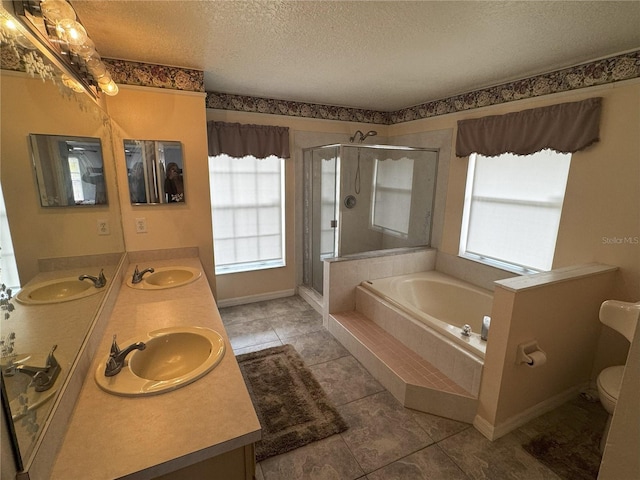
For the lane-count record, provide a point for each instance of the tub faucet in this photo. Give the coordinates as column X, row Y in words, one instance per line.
column 42, row 378
column 137, row 275
column 99, row 281
column 117, row 357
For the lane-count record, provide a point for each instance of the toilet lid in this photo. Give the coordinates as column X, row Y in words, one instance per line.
column 610, row 380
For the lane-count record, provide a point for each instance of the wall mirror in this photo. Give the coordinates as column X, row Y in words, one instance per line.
column 69, row 170
column 39, row 241
column 155, row 171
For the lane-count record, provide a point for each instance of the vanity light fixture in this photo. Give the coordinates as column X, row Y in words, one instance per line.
column 55, row 25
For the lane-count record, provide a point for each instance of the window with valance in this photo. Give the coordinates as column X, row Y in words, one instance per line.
column 246, row 173
column 516, row 180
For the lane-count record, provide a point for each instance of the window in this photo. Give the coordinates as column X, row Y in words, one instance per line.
column 247, row 203
column 76, row 179
column 512, row 209
column 392, row 186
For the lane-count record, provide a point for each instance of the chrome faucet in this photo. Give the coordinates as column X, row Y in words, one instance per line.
column 42, row 378
column 99, row 281
column 117, row 357
column 137, row 275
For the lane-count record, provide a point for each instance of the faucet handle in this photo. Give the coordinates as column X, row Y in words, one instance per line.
column 115, row 349
column 102, row 280
column 51, row 360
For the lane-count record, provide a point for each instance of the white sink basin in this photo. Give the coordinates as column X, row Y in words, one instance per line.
column 56, row 291
column 173, row 357
column 167, row 277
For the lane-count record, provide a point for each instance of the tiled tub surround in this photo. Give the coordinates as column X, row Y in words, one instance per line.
column 148, row 437
column 418, row 365
column 441, row 302
column 343, row 275
column 460, row 365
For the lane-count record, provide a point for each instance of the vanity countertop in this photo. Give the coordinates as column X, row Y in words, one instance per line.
column 111, row 436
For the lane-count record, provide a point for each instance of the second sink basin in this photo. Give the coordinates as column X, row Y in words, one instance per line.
column 56, row 291
column 173, row 358
column 167, row 277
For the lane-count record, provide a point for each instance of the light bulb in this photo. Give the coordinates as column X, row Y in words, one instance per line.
column 9, row 25
column 57, row 10
column 108, row 86
column 71, row 32
column 96, row 67
column 86, row 50
column 69, row 82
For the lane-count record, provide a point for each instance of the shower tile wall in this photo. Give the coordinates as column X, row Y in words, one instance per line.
column 342, row 275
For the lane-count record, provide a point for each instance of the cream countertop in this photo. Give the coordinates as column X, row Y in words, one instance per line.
column 111, row 436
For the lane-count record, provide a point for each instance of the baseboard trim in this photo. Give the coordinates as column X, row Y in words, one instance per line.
column 232, row 302
column 494, row 432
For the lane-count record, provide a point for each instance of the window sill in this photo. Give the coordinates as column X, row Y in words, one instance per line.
column 520, row 270
column 249, row 267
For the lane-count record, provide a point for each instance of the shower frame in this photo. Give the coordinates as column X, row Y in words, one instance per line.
column 312, row 275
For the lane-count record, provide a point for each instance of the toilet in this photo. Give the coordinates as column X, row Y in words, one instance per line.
column 623, row 318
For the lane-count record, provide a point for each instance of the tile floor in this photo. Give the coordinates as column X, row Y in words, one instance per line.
column 385, row 441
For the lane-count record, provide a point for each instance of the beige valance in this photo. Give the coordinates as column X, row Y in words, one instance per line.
column 565, row 127
column 238, row 140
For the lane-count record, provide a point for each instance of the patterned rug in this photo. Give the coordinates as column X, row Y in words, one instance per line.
column 292, row 407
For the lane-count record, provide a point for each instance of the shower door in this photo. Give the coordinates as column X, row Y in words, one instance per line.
column 324, row 214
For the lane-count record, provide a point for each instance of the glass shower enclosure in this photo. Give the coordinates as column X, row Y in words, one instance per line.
column 363, row 198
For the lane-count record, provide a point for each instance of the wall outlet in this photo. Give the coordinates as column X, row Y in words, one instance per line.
column 103, row 227
column 141, row 225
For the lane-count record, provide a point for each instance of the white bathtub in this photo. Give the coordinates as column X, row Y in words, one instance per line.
column 441, row 302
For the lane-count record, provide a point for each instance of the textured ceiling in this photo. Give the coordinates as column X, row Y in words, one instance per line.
column 379, row 55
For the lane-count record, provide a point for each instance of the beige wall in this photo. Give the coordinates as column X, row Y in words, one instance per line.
column 32, row 106
column 156, row 114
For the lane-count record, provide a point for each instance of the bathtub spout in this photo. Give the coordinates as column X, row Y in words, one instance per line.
column 486, row 322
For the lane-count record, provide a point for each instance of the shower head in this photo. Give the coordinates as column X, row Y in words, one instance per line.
column 370, row 133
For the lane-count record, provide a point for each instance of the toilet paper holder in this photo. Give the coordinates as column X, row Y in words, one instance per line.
column 530, row 353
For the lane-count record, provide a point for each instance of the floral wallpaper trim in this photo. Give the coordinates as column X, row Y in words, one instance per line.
column 125, row 72
column 608, row 70
column 243, row 103
column 599, row 72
